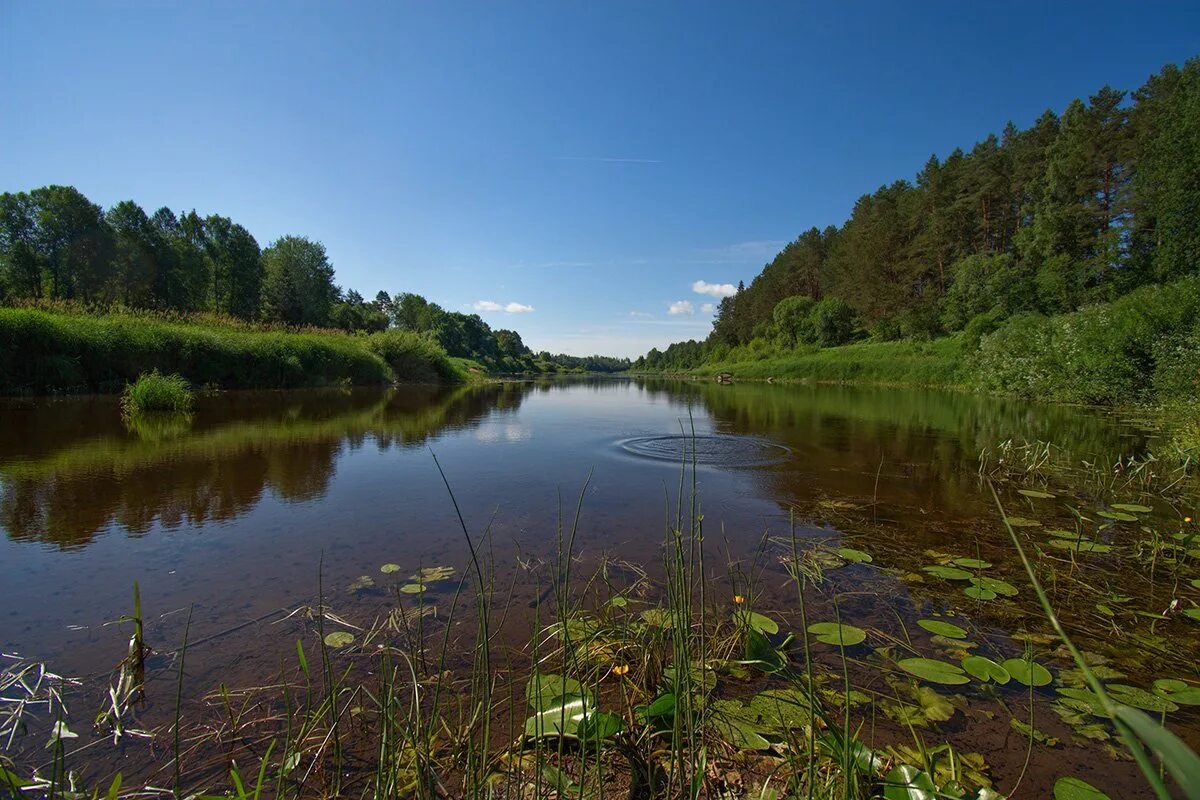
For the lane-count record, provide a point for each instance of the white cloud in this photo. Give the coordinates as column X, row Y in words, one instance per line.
column 681, row 307
column 714, row 289
column 708, row 308
column 510, row 308
column 640, row 315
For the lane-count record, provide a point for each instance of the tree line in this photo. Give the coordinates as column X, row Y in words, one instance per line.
column 1074, row 210
column 55, row 244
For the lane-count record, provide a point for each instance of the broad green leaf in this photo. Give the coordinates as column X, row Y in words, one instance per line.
column 663, row 705
column 943, row 628
column 984, row 669
column 1118, row 516
column 979, row 593
column 388, row 569
column 545, row 690
column 1035, row 493
column 949, row 573
column 1139, row 698
column 906, row 782
column 657, row 617
column 561, row 717
column 1076, row 789
column 995, row 585
column 933, row 706
column 1177, row 691
column 1179, row 759
column 599, row 725
column 857, row 556
column 835, row 634
column 1081, row 546
column 339, row 639
column 1029, row 673
column 781, row 709
column 1132, row 507
column 933, row 671
column 972, row 563
column 762, row 653
column 759, row 622
column 412, row 588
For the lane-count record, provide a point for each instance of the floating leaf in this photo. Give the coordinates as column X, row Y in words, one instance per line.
column 339, row 639
column 738, row 725
column 432, row 574
column 1177, row 691
column 942, row 628
column 972, row 563
column 995, row 585
column 1118, row 516
column 1194, row 613
column 1027, row 730
column 933, row 671
column 1081, row 546
column 1076, row 789
column 1029, row 673
column 857, row 556
column 759, row 622
column 618, row 602
column 979, row 593
column 1035, row 493
column 782, row 709
column 388, row 569
column 1139, row 698
column 545, row 690
column 984, row 669
column 412, row 588
column 840, row 635
column 360, row 583
column 933, row 706
column 1021, row 522
column 599, row 725
column 949, row 573
column 1132, row 507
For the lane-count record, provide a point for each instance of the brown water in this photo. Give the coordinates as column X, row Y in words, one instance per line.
column 231, row 513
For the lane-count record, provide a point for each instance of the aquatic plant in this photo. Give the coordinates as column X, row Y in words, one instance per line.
column 155, row 392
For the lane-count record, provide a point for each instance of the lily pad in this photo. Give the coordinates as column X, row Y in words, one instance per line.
column 1139, row 698
column 388, row 569
column 1177, row 691
column 1022, row 522
column 360, row 583
column 412, row 588
column 979, row 593
column 995, row 585
column 339, row 639
column 1117, row 516
column 972, row 563
column 984, row 669
column 835, row 634
column 1029, row 673
column 760, row 622
column 1133, row 508
column 1072, row 788
column 949, row 573
column 1080, row 546
column 432, row 574
column 857, row 556
column 1036, row 493
column 943, row 628
column 933, row 671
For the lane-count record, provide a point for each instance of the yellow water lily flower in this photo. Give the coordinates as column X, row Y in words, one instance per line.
column 738, row 599
column 620, row 669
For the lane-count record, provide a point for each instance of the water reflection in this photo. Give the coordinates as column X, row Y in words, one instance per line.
column 70, row 469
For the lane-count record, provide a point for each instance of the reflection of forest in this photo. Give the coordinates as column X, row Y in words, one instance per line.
column 928, row 441
column 85, row 470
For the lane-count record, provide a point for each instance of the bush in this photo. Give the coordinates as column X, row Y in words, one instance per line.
column 984, row 283
column 1137, row 348
column 412, row 357
column 156, row 392
column 833, row 319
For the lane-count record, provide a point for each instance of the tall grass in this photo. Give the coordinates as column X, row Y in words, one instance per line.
column 153, row 391
column 51, row 351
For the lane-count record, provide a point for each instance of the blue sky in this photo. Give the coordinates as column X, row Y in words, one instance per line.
column 590, row 161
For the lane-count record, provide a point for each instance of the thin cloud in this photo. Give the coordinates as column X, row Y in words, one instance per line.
column 714, row 289
column 640, row 315
column 508, row 308
column 610, row 160
column 681, row 307
column 708, row 308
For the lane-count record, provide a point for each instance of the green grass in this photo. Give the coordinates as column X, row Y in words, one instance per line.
column 154, row 391
column 44, row 351
column 907, row 363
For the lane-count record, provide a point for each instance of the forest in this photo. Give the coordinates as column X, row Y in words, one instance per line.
column 60, row 250
column 1031, row 225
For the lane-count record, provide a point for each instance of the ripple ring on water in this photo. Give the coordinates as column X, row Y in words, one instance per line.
column 720, row 450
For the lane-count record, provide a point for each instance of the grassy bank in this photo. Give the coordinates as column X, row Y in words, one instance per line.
column 44, row 351
column 1143, row 348
column 935, row 363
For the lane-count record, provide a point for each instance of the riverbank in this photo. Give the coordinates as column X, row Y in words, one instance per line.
column 44, row 352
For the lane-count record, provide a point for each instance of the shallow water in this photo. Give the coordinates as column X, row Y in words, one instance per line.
column 231, row 514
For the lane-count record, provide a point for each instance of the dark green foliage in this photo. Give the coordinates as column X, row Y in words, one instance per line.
column 297, row 282
column 1140, row 347
column 154, row 391
column 1055, row 219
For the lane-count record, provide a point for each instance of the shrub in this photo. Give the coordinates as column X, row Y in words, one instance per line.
column 153, row 391
column 833, row 319
column 412, row 357
column 985, row 283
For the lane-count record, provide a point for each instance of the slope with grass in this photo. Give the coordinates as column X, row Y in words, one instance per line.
column 45, row 351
